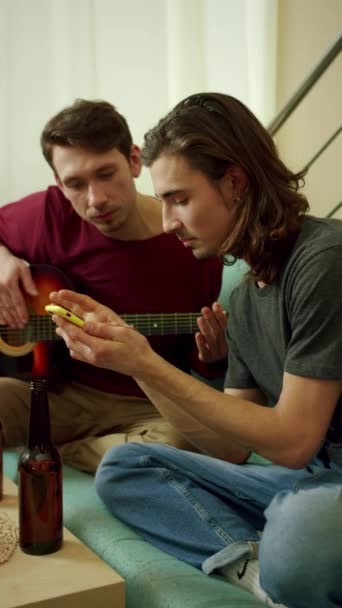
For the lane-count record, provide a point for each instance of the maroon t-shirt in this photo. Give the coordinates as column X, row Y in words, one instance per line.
column 157, row 275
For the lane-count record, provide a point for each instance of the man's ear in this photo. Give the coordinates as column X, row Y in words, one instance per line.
column 239, row 179
column 135, row 160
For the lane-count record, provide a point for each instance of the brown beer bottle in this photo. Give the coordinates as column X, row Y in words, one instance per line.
column 40, row 481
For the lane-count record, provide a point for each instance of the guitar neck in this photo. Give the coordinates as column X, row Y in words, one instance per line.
column 161, row 324
column 42, row 328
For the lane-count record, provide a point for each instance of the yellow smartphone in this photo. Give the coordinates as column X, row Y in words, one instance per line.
column 53, row 309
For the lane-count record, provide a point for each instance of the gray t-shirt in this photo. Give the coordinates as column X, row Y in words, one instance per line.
column 295, row 324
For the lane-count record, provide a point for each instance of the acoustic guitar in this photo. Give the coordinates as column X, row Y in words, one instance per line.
column 38, row 334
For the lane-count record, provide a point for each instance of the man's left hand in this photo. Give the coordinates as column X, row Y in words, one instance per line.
column 211, row 339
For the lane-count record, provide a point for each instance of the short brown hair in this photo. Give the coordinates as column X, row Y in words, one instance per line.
column 212, row 131
column 94, row 125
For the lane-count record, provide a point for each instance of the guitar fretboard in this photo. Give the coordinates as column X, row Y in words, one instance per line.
column 41, row 328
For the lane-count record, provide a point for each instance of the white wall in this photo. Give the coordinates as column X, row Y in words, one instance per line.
column 58, row 50
column 143, row 56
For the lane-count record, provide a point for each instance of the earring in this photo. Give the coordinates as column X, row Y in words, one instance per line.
column 237, row 198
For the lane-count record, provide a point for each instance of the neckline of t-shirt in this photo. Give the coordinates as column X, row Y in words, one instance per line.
column 261, row 292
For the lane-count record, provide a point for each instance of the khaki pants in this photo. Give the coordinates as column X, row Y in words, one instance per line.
column 85, row 422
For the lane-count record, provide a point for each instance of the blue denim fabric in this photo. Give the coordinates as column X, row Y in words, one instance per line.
column 205, row 512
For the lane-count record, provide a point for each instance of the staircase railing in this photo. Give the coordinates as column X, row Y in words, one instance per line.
column 305, row 87
column 335, row 209
column 299, row 95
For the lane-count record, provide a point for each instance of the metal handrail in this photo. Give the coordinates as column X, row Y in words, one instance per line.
column 333, row 211
column 324, row 147
column 305, row 87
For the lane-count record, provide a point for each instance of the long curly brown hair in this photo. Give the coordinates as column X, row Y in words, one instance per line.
column 213, row 131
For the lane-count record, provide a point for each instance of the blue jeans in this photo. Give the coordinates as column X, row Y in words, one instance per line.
column 205, row 511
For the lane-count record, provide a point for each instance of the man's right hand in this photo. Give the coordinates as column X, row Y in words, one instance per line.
column 15, row 280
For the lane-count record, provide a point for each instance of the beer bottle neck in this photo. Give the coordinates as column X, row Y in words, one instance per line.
column 39, row 427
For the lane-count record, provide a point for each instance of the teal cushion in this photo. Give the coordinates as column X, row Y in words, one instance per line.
column 231, row 277
column 153, row 579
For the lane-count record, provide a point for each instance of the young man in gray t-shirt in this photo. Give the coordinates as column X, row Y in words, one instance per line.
column 273, row 528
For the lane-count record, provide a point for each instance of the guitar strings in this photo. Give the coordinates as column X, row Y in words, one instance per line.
column 144, row 318
column 157, row 315
column 128, row 318
column 42, row 326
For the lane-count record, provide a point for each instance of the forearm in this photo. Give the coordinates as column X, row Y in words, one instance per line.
column 289, row 434
column 197, row 434
column 223, row 420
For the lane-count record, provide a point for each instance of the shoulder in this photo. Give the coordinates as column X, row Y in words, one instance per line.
column 317, row 252
column 36, row 202
column 317, row 236
column 310, row 284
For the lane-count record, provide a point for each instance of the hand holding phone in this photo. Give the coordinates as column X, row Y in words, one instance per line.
column 53, row 309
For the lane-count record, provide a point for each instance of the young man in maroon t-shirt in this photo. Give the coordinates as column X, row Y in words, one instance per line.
column 108, row 239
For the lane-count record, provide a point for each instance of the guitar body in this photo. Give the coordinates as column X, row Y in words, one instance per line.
column 18, row 343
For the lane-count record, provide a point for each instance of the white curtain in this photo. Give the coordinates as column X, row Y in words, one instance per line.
column 141, row 56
